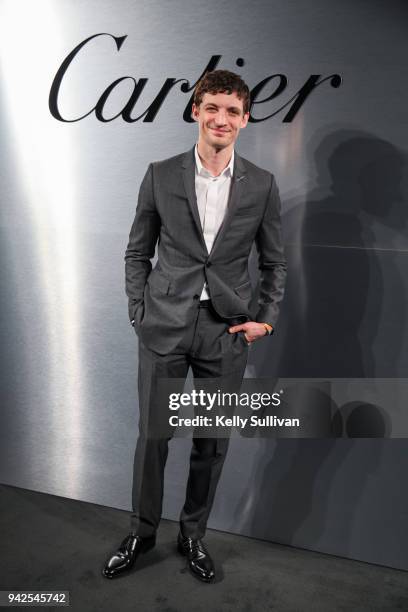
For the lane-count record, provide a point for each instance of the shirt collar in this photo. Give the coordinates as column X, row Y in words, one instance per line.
column 204, row 172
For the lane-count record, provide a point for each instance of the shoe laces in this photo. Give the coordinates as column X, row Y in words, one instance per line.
column 196, row 547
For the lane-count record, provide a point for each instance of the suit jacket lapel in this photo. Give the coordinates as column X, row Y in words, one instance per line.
column 237, row 187
column 188, row 165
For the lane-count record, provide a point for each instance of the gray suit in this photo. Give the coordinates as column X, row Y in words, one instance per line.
column 163, row 301
column 176, row 331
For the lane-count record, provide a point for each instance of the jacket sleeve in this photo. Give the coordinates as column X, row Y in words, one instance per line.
column 142, row 243
column 272, row 262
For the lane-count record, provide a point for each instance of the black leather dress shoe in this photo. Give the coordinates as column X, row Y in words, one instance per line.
column 199, row 560
column 124, row 558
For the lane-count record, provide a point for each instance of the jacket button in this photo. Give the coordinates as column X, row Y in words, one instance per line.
column 208, row 264
column 196, row 297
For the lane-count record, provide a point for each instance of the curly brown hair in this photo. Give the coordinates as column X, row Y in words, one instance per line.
column 222, row 81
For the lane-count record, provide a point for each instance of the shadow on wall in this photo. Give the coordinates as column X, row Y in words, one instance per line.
column 298, row 492
column 347, row 246
column 345, row 242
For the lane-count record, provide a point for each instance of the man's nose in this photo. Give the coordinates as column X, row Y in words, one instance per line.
column 221, row 118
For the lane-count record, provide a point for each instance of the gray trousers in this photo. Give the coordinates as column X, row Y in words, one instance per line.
column 211, row 351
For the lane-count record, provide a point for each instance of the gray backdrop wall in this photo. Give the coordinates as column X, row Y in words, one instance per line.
column 69, row 188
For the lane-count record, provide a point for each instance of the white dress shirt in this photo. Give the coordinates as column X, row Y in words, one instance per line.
column 212, row 199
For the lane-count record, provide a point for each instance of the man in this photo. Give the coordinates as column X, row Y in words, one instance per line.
column 204, row 209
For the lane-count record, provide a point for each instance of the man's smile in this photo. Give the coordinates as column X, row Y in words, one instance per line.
column 219, row 131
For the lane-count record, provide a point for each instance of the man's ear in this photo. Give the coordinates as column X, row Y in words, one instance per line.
column 194, row 112
column 245, row 120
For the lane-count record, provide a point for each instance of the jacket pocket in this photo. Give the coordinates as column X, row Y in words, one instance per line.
column 244, row 291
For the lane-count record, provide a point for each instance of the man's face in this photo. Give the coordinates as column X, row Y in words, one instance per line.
column 220, row 117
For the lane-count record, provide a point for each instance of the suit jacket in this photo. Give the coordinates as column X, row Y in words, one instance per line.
column 163, row 300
